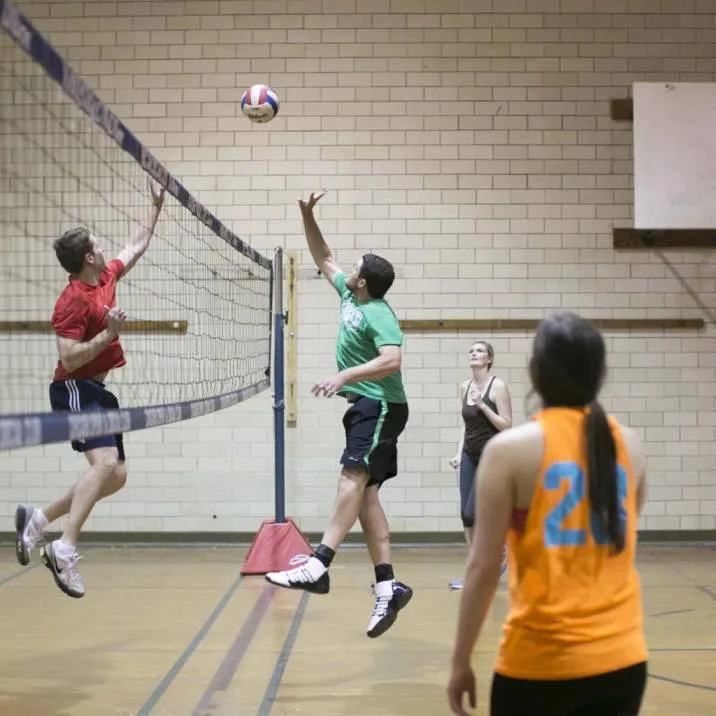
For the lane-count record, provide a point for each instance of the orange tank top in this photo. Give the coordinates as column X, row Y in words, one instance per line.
column 575, row 610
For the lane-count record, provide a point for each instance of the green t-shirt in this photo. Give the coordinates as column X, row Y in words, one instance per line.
column 364, row 328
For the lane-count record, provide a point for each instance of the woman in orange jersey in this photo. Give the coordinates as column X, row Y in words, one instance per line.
column 564, row 491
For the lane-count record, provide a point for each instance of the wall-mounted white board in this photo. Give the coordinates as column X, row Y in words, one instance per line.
column 674, row 155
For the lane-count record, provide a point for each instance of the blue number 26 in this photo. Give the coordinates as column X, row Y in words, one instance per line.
column 555, row 535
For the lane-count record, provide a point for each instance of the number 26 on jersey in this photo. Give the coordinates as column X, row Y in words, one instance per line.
column 555, row 534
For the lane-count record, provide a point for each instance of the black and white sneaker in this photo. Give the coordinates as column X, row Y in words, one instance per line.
column 311, row 576
column 390, row 598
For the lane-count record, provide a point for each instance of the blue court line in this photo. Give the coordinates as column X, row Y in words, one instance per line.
column 671, row 613
column 682, row 683
column 227, row 669
column 15, row 575
column 283, row 657
column 164, row 684
column 707, row 591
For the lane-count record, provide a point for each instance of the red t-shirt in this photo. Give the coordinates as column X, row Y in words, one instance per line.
column 79, row 314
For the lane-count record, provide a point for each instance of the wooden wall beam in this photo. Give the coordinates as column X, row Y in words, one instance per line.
column 622, row 110
column 483, row 325
column 664, row 238
column 292, row 342
column 129, row 327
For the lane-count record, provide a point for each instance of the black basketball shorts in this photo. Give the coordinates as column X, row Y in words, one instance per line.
column 372, row 429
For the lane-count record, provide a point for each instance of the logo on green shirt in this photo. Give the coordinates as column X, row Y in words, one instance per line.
column 364, row 328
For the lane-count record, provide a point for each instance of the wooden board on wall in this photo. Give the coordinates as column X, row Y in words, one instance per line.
column 291, row 335
column 668, row 173
column 666, row 239
column 530, row 324
column 129, row 327
column 621, row 109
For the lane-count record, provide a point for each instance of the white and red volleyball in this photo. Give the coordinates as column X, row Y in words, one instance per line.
column 260, row 103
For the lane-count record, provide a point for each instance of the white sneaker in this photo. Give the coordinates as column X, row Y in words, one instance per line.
column 457, row 583
column 311, row 576
column 390, row 597
column 63, row 570
column 28, row 533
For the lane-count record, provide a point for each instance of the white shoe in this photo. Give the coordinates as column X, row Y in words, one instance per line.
column 28, row 532
column 311, row 576
column 64, row 570
column 390, row 597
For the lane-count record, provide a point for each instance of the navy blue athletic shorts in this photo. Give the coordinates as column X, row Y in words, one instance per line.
column 85, row 394
column 372, row 429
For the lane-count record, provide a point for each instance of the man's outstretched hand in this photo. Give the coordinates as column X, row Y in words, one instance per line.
column 307, row 206
column 157, row 194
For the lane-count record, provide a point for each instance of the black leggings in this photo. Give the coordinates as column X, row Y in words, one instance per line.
column 618, row 693
column 468, row 468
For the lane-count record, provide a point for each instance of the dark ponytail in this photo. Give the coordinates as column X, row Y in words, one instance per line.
column 602, row 477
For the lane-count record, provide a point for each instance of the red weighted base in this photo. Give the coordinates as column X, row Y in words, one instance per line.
column 277, row 546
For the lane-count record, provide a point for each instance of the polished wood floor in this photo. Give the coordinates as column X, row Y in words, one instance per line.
column 177, row 632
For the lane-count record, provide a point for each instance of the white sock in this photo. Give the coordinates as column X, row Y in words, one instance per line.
column 385, row 588
column 63, row 549
column 316, row 568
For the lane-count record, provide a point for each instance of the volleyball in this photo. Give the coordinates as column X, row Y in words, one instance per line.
column 260, row 103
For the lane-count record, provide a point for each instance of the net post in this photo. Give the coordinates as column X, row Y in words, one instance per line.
column 279, row 403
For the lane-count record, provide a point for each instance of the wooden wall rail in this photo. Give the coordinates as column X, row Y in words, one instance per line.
column 129, row 327
column 530, row 324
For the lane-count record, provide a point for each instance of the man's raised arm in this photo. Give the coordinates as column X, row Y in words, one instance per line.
column 316, row 244
column 132, row 252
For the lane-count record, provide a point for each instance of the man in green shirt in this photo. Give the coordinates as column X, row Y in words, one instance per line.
column 368, row 355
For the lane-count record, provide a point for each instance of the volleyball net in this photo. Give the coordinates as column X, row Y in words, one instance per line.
column 199, row 302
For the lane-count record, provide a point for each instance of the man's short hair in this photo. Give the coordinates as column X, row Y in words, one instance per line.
column 72, row 247
column 378, row 274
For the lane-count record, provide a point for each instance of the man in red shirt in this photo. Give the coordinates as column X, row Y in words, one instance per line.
column 87, row 323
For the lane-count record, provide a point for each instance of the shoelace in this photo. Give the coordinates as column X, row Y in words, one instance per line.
column 381, row 606
column 73, row 576
column 300, row 574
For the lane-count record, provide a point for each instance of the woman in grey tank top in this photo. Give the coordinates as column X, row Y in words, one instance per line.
column 485, row 410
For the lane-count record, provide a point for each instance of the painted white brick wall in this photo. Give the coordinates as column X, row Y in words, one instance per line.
column 470, row 142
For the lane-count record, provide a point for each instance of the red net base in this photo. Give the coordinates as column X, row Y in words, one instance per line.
column 277, row 546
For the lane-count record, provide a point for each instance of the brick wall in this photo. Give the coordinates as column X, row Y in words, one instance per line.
column 470, row 142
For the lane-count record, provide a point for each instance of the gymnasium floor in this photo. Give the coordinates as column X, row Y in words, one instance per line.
column 177, row 632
